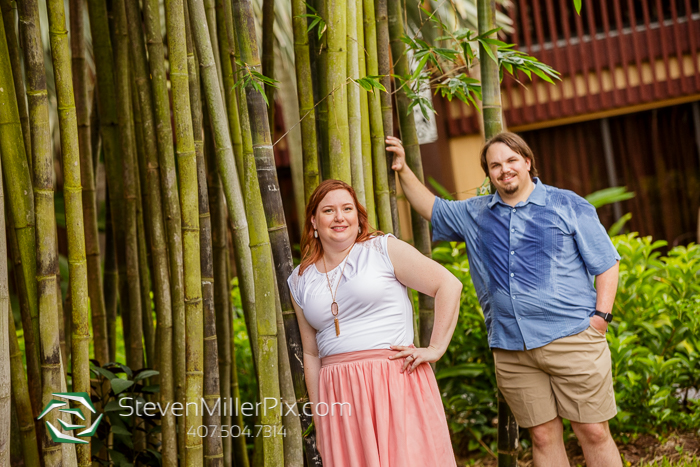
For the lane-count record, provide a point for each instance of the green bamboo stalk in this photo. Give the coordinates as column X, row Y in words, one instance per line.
column 187, row 170
column 72, row 194
column 20, row 392
column 290, row 116
column 111, row 282
column 212, row 24
column 384, row 69
column 272, row 203
column 493, row 124
column 354, row 111
column 259, row 245
column 268, row 56
column 9, row 8
column 157, row 233
column 20, row 389
column 18, row 180
column 305, row 93
column 227, row 58
column 92, row 244
column 129, row 174
column 234, row 101
column 220, row 255
column 365, row 135
column 171, row 201
column 142, row 226
column 5, row 317
column 321, row 100
column 409, row 137
column 115, row 272
column 381, row 181
column 240, row 454
column 65, row 320
column 338, row 131
column 213, row 445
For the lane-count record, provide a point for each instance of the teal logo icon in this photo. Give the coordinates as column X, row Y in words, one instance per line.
column 56, row 434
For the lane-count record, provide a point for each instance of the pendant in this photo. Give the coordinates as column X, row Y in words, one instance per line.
column 337, row 327
column 334, row 308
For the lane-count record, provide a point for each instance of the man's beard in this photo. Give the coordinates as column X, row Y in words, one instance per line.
column 512, row 188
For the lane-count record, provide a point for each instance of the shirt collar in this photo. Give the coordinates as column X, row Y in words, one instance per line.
column 538, row 195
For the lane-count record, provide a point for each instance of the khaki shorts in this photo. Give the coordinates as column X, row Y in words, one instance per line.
column 570, row 377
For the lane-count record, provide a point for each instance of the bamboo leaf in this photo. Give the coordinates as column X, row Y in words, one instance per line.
column 145, row 374
column 577, row 5
column 487, row 49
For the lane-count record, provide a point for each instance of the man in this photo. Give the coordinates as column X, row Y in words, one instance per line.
column 533, row 253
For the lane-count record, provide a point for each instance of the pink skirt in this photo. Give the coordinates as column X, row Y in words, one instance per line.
column 378, row 416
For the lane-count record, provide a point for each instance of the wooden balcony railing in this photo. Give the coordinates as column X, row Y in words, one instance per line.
column 617, row 54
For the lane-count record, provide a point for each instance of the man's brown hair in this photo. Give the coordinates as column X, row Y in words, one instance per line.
column 514, row 142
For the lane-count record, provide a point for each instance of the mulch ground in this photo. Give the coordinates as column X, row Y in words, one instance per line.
column 643, row 450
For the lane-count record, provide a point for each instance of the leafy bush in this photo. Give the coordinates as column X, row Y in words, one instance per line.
column 654, row 342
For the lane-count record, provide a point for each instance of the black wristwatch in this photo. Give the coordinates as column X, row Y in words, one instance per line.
column 608, row 317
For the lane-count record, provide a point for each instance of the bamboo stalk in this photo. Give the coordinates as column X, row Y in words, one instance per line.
column 213, row 445
column 142, row 226
column 338, row 131
column 259, row 250
column 187, row 170
column 307, row 112
column 235, row 101
column 272, row 204
column 321, row 100
column 157, row 233
column 92, row 244
column 227, row 59
column 129, row 174
column 20, row 392
column 18, row 180
column 354, row 111
column 365, row 136
column 381, row 181
column 20, row 389
column 268, row 56
column 5, row 317
column 221, row 293
column 409, row 137
column 171, row 201
column 72, row 194
column 493, row 124
column 115, row 273
column 9, row 8
column 111, row 282
column 240, row 454
column 384, row 68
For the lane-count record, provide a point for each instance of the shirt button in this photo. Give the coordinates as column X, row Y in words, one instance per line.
column 512, row 252
column 512, row 275
column 512, row 230
column 513, row 210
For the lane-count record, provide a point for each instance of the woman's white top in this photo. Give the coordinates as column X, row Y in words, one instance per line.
column 374, row 311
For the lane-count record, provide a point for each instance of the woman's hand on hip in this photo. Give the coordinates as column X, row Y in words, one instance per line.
column 414, row 356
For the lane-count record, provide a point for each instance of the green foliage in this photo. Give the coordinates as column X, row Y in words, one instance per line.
column 609, row 196
column 250, row 76
column 122, row 394
column 316, row 21
column 654, row 343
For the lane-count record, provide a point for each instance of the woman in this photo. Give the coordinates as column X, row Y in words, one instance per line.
column 375, row 398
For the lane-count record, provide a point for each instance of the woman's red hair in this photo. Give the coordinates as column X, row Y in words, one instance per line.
column 311, row 248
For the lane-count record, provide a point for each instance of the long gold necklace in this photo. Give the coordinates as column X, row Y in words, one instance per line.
column 334, row 304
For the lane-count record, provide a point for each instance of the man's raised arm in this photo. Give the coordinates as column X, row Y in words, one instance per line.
column 418, row 195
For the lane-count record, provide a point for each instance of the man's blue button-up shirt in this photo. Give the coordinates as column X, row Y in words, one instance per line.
column 532, row 265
